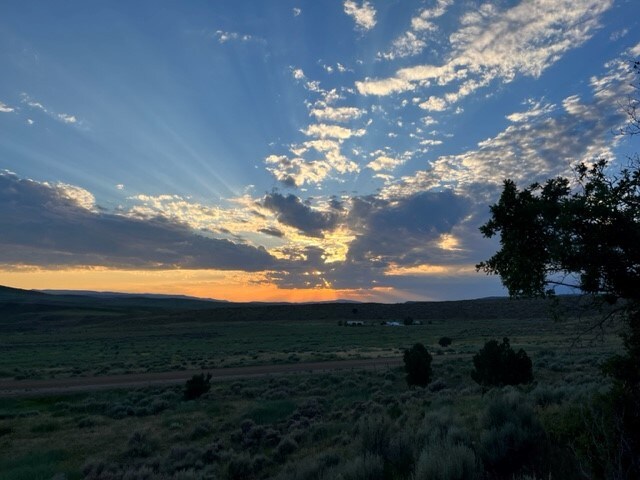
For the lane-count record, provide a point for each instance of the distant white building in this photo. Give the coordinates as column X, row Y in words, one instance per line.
column 393, row 324
column 354, row 323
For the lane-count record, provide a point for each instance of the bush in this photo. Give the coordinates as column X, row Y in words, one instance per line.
column 197, row 386
column 447, row 462
column 417, row 364
column 512, row 439
column 445, row 342
column 497, row 364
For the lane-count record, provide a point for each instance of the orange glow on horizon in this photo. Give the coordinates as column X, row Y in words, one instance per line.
column 234, row 286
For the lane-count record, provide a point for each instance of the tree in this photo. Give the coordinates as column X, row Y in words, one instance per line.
column 445, row 341
column 497, row 365
column 586, row 235
column 197, row 386
column 417, row 364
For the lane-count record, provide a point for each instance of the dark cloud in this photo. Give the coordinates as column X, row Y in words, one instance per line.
column 291, row 211
column 402, row 231
column 43, row 225
column 274, row 232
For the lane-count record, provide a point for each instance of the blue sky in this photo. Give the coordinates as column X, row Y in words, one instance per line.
column 292, row 150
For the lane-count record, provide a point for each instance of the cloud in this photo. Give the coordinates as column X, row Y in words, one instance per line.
column 295, row 172
column 501, row 44
column 224, row 37
column 296, row 11
column 4, row 108
column 59, row 225
column 272, row 231
column 63, row 117
column 337, row 114
column 413, row 41
column 323, row 130
column 541, row 142
column 364, row 15
column 291, row 211
column 384, row 163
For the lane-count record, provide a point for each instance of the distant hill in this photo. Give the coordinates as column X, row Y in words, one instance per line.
column 158, row 296
column 35, row 306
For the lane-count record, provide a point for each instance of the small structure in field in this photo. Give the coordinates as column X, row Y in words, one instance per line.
column 354, row 323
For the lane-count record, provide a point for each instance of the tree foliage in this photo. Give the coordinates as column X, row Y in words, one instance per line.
column 197, row 386
column 498, row 364
column 584, row 234
column 549, row 233
column 417, row 364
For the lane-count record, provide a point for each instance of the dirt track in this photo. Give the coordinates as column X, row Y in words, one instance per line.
column 19, row 388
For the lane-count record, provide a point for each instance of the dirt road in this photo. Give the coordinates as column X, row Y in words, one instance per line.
column 20, row 388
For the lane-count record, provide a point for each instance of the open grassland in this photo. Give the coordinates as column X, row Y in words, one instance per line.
column 354, row 424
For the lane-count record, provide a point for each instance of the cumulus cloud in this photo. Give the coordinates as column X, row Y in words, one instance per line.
column 364, row 15
column 291, row 211
column 384, row 163
column 57, row 225
column 501, row 44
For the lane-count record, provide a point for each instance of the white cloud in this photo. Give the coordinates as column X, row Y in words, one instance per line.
column 323, row 130
column 4, row 108
column 224, row 37
column 434, row 104
column 298, row 74
column 406, row 45
column 29, row 121
column 337, row 114
column 547, row 144
column 384, row 163
column 63, row 117
column 296, row 11
column 364, row 15
column 501, row 44
column 535, row 110
column 120, row 186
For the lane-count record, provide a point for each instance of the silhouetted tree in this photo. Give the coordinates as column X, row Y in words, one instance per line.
column 417, row 364
column 497, row 365
column 197, row 386
column 586, row 235
column 445, row 342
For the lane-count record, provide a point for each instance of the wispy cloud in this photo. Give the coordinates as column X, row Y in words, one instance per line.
column 364, row 15
column 413, row 41
column 61, row 117
column 4, row 108
column 500, row 44
column 224, row 37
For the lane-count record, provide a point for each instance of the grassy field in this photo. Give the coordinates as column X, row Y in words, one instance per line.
column 347, row 424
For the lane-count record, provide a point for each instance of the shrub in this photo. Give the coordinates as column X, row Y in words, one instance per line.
column 512, row 439
column 417, row 364
column 445, row 341
column 497, row 364
column 368, row 467
column 446, row 461
column 197, row 386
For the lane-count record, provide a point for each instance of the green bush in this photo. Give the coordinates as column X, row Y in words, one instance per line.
column 417, row 364
column 497, row 364
column 197, row 386
column 445, row 341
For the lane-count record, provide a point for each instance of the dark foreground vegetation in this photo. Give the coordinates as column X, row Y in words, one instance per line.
column 347, row 424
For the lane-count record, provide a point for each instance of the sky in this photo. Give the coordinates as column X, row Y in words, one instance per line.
column 292, row 150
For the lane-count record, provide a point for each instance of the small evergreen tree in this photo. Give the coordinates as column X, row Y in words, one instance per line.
column 417, row 364
column 197, row 386
column 497, row 364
